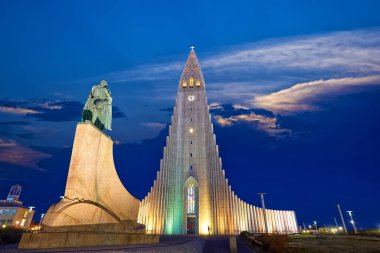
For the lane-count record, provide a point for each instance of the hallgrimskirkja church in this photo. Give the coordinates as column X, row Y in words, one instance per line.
column 191, row 194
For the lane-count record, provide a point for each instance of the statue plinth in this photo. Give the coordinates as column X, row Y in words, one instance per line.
column 95, row 200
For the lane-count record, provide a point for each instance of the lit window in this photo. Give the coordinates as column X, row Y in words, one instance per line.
column 191, row 130
column 191, row 82
column 198, row 83
column 184, row 84
column 191, row 200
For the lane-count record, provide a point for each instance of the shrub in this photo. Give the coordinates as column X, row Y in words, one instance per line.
column 10, row 235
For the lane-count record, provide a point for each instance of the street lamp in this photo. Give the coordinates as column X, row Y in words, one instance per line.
column 42, row 216
column 341, row 216
column 352, row 221
column 336, row 223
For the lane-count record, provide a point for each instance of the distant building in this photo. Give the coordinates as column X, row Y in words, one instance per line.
column 12, row 212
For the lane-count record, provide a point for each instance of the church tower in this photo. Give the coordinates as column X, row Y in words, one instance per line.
column 191, row 194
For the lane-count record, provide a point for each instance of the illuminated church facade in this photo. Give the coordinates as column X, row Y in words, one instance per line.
column 191, row 194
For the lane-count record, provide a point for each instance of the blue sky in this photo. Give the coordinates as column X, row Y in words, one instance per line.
column 293, row 87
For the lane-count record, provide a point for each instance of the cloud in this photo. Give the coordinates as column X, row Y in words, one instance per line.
column 349, row 53
column 147, row 72
column 44, row 109
column 117, row 113
column 50, row 110
column 214, row 106
column 266, row 124
column 304, row 96
column 13, row 153
column 154, row 124
column 19, row 111
column 227, row 115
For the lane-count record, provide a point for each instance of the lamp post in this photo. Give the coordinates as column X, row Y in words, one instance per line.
column 352, row 221
column 336, row 223
column 264, row 212
column 42, row 216
column 341, row 216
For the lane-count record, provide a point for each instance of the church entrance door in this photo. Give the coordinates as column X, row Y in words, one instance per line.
column 190, row 225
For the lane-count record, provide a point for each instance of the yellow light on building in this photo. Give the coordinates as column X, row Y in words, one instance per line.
column 191, row 130
column 205, row 228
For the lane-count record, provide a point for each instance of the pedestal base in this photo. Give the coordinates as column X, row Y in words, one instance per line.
column 45, row 240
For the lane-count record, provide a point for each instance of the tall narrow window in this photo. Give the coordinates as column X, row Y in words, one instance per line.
column 184, row 84
column 191, row 200
column 191, row 154
column 191, row 82
column 191, row 142
column 198, row 83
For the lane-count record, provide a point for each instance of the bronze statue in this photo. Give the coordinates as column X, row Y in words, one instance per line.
column 98, row 108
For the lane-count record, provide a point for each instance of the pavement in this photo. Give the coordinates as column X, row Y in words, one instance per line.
column 167, row 244
column 221, row 244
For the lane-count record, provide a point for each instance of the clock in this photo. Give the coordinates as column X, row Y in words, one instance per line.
column 191, row 98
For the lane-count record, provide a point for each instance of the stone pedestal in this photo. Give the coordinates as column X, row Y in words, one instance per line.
column 96, row 208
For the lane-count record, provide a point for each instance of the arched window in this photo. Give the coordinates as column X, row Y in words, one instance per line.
column 191, row 199
column 198, row 83
column 191, row 82
column 184, row 84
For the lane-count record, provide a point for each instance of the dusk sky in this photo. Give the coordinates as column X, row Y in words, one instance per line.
column 293, row 88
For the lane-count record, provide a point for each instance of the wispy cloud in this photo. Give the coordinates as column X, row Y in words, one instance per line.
column 13, row 153
column 303, row 96
column 17, row 110
column 228, row 115
column 154, row 124
column 264, row 123
column 347, row 53
column 350, row 51
column 50, row 110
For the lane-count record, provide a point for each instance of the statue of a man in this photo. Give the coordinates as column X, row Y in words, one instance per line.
column 98, row 108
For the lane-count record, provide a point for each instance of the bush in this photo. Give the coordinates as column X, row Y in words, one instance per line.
column 10, row 235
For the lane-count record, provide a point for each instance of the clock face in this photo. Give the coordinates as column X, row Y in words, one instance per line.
column 191, row 98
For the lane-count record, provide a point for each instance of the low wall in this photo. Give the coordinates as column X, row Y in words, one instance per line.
column 44, row 240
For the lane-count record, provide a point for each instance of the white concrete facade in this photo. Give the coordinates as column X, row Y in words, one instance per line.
column 191, row 159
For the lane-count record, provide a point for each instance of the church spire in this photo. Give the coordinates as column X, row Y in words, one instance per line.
column 192, row 77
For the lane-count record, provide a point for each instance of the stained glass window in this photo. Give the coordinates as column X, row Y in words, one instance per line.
column 191, row 200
